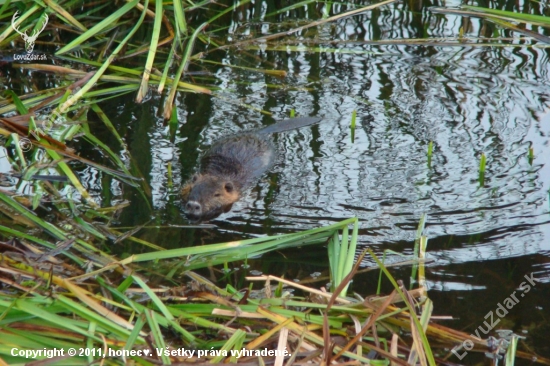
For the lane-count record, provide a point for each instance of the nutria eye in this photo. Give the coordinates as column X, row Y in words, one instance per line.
column 217, row 195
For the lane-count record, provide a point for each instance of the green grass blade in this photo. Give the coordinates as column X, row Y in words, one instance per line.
column 180, row 17
column 348, row 264
column 54, row 319
column 169, row 103
column 235, row 342
column 65, row 15
column 158, row 339
column 72, row 177
column 511, row 352
column 93, row 80
column 527, row 18
column 425, row 343
column 99, row 27
column 416, row 249
column 163, row 309
column 9, row 29
column 152, row 52
column 333, row 257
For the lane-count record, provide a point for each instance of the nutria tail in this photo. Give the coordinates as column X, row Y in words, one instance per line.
column 289, row 124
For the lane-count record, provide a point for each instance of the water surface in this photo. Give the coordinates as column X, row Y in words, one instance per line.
column 467, row 98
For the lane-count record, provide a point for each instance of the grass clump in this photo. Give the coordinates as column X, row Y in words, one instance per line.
column 60, row 286
column 61, row 292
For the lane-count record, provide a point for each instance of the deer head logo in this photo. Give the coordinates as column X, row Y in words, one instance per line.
column 29, row 40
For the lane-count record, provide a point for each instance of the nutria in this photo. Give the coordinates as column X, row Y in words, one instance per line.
column 230, row 166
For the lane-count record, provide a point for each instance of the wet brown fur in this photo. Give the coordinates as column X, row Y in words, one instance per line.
column 230, row 166
column 220, row 199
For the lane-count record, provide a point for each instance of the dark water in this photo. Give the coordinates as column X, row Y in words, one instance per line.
column 467, row 99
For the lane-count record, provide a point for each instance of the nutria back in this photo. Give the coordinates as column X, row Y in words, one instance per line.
column 230, row 166
column 242, row 157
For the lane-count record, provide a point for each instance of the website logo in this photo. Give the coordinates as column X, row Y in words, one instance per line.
column 29, row 40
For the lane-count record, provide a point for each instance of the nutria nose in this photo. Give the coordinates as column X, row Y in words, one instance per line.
column 193, row 207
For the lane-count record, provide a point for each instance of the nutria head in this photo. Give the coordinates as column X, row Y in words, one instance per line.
column 207, row 196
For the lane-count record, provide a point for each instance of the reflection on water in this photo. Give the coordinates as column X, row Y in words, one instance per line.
column 468, row 100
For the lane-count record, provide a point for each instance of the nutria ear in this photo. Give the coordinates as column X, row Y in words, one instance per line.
column 194, row 178
column 185, row 192
column 229, row 187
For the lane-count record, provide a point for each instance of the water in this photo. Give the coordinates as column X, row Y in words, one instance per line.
column 467, row 99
